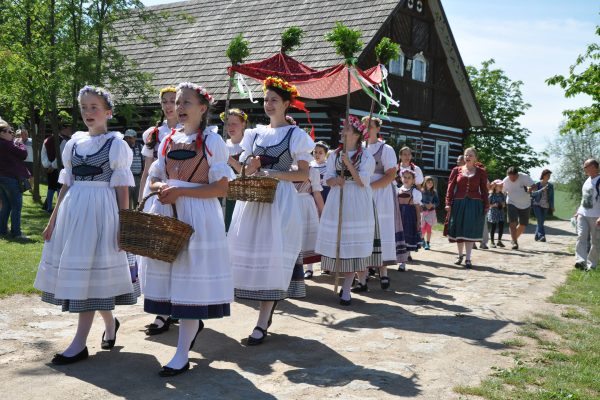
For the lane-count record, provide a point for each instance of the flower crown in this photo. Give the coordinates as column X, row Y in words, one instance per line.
column 234, row 111
column 166, row 89
column 198, row 89
column 279, row 83
column 357, row 124
column 98, row 91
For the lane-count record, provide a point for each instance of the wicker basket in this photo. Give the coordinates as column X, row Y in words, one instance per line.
column 152, row 235
column 259, row 189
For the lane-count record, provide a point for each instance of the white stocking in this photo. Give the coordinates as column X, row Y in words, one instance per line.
column 187, row 332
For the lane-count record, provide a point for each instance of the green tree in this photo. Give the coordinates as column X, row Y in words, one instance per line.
column 572, row 148
column 502, row 142
column 587, row 82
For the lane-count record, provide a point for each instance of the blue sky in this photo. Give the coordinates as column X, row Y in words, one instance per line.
column 530, row 40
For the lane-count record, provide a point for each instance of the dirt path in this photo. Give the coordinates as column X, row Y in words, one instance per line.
column 441, row 326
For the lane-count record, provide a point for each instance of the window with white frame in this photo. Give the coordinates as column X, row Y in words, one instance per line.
column 441, row 155
column 419, row 68
column 397, row 65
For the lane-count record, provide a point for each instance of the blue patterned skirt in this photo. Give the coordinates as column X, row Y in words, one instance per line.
column 412, row 235
column 466, row 221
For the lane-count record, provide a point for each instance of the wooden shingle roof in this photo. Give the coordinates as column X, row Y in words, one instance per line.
column 195, row 51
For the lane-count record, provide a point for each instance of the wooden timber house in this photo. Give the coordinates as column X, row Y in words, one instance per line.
column 437, row 104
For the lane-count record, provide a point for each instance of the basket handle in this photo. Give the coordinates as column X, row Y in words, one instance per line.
column 141, row 205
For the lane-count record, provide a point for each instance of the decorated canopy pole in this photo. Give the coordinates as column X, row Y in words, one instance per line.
column 237, row 51
column 346, row 42
column 385, row 51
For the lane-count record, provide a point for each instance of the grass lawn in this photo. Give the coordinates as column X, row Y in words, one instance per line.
column 564, row 205
column 19, row 261
column 555, row 357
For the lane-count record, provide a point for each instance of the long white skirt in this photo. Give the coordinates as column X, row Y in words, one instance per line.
column 265, row 240
column 82, row 259
column 310, row 223
column 358, row 223
column 384, row 202
column 201, row 273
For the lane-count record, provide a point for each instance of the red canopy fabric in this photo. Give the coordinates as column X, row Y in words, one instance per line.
column 312, row 84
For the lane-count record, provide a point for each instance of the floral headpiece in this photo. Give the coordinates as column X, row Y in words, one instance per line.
column 166, row 89
column 234, row 111
column 357, row 124
column 98, row 91
column 290, row 120
column 198, row 89
column 279, row 83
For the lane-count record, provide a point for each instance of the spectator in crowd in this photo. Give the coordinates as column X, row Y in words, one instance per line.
column 460, row 161
column 13, row 180
column 23, row 137
column 588, row 219
column 50, row 162
column 543, row 203
column 517, row 187
column 137, row 166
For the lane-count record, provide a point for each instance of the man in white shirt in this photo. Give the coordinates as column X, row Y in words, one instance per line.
column 517, row 187
column 588, row 219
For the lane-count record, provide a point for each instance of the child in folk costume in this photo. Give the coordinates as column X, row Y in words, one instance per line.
column 82, row 268
column 495, row 215
column 383, row 195
column 191, row 173
column 467, row 204
column 358, row 217
column 429, row 204
column 152, row 138
column 265, row 239
column 409, row 200
column 320, row 163
column 311, row 206
column 237, row 121
column 407, row 163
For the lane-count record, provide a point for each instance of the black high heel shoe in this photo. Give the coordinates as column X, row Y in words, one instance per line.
column 109, row 344
column 255, row 342
column 59, row 359
column 167, row 372
column 199, row 330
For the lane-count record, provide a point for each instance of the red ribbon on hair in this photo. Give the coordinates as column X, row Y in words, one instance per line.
column 167, row 141
column 302, row 107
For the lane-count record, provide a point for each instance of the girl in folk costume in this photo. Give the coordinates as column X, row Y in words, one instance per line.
column 237, row 120
column 358, row 219
column 467, row 203
column 429, row 203
column 191, row 173
column 320, row 163
column 311, row 206
column 82, row 268
column 407, row 163
column 409, row 200
column 265, row 239
column 152, row 138
column 383, row 195
column 495, row 214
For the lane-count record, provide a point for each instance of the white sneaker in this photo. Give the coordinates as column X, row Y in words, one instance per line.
column 402, row 267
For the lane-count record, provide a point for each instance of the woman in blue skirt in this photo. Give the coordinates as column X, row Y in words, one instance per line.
column 466, row 203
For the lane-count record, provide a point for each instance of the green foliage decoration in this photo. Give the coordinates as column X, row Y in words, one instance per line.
column 345, row 40
column 237, row 50
column 386, row 50
column 291, row 38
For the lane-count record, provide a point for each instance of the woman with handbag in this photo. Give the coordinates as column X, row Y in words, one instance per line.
column 13, row 181
column 191, row 173
column 265, row 239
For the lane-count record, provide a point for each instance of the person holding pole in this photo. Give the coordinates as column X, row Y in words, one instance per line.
column 357, row 219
